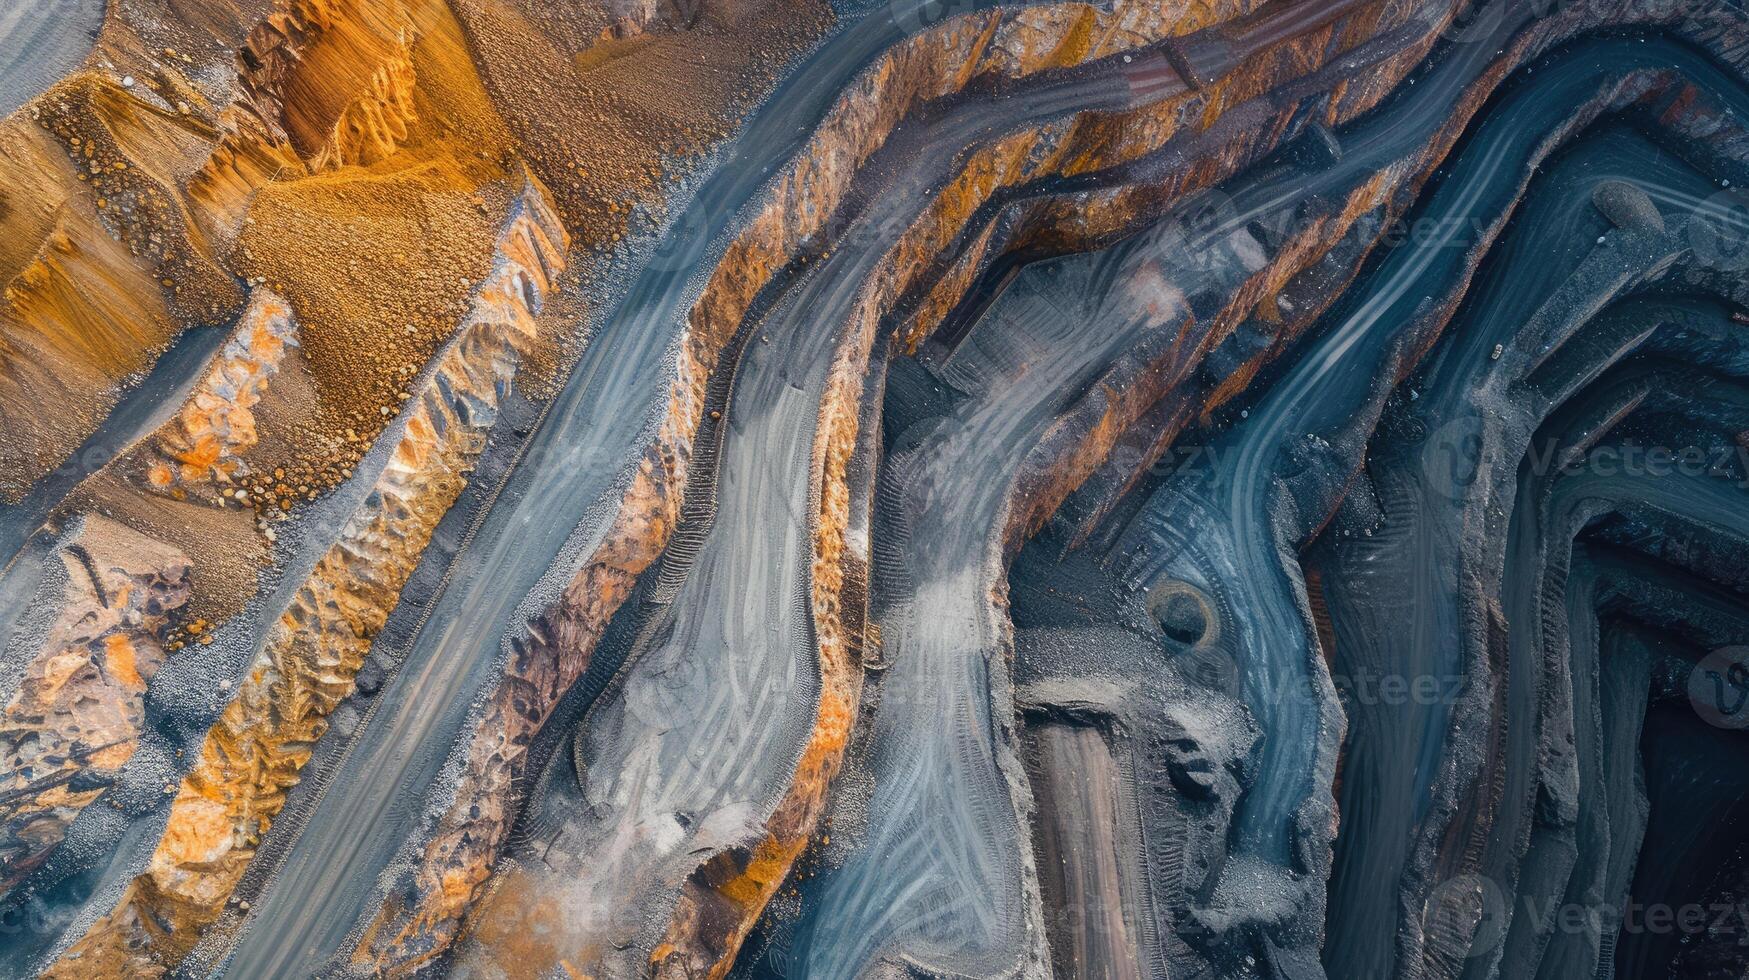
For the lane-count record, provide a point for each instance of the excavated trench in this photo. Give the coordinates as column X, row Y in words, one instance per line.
column 1375, row 623
column 1230, row 488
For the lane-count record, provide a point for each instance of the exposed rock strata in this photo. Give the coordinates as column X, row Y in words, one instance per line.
column 1704, row 121
column 1623, row 96
column 207, row 444
column 105, row 265
column 406, row 109
column 308, row 662
column 76, row 716
column 751, row 259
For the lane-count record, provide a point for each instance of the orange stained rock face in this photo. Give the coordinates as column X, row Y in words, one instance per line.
column 80, row 705
column 531, row 943
column 373, row 197
column 118, row 660
column 254, row 753
column 201, row 836
column 217, row 427
column 984, row 43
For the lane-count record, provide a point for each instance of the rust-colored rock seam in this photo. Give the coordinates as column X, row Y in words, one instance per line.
column 309, row 660
column 697, row 943
column 798, row 203
column 449, row 875
column 722, row 900
column 75, row 718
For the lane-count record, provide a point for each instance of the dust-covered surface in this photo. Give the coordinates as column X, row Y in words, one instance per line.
column 798, row 488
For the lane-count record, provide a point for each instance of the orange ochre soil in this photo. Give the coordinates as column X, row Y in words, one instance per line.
column 355, row 157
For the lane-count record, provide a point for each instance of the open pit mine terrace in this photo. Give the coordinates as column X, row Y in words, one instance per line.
column 775, row 489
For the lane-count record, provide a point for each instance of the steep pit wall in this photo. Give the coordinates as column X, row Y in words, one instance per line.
column 102, row 264
column 1139, row 445
column 1140, row 189
column 708, row 927
column 379, row 236
column 1080, row 443
column 108, row 250
column 976, row 49
column 796, row 208
column 1472, row 812
column 1226, row 123
column 191, row 483
column 308, row 662
column 1709, row 135
column 227, row 98
column 357, row 82
column 196, row 37
column 75, row 719
column 161, row 179
column 446, row 886
column 137, row 151
column 724, row 898
column 216, row 428
column 376, row 263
